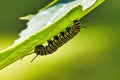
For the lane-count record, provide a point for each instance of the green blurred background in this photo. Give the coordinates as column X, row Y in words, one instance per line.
column 92, row 55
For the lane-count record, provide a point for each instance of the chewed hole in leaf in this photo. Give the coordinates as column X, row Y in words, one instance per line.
column 49, row 15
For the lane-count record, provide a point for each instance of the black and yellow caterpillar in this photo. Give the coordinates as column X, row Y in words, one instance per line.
column 58, row 40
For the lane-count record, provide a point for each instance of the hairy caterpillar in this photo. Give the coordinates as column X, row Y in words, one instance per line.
column 58, row 40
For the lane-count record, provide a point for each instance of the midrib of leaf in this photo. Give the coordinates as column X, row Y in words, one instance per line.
column 14, row 53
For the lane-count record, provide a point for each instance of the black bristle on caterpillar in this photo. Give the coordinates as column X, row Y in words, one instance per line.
column 58, row 40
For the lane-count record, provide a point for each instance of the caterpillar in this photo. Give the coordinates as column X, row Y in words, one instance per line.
column 58, row 40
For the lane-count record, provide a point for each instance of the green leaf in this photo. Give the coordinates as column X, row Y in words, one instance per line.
column 24, row 46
